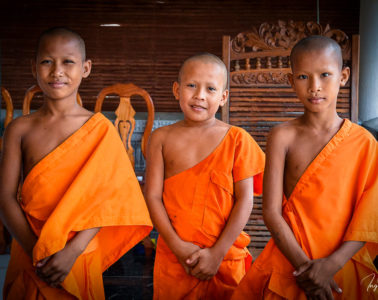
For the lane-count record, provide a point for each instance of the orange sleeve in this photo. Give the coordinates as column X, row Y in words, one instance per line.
column 364, row 223
column 249, row 160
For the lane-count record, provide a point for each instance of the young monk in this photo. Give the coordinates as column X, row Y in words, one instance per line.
column 81, row 206
column 201, row 176
column 324, row 231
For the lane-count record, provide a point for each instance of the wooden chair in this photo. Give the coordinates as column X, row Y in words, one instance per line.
column 4, row 235
column 125, row 122
column 31, row 92
column 9, row 109
column 8, row 105
column 260, row 93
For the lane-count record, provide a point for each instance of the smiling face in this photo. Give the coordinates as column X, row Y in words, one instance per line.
column 59, row 66
column 317, row 77
column 201, row 90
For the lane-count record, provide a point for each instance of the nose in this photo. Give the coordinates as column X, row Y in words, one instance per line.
column 200, row 93
column 315, row 85
column 57, row 70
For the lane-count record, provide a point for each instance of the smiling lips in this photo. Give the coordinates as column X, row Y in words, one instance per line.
column 197, row 107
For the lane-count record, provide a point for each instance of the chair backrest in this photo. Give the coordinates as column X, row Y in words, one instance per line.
column 30, row 93
column 8, row 105
column 261, row 95
column 9, row 109
column 125, row 122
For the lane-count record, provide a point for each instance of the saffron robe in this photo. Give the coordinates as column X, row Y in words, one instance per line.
column 198, row 202
column 335, row 200
column 86, row 182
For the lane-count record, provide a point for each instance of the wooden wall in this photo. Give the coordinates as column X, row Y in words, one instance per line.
column 153, row 39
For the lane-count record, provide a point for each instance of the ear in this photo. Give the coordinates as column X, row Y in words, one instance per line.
column 34, row 68
column 224, row 98
column 175, row 90
column 290, row 77
column 345, row 73
column 87, row 67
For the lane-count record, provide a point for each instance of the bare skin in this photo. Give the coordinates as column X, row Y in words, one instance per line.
column 291, row 148
column 178, row 147
column 28, row 139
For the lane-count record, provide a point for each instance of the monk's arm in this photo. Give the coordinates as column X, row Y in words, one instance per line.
column 10, row 167
column 55, row 268
column 272, row 198
column 154, row 198
column 211, row 258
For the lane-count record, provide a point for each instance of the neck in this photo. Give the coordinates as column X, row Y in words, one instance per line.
column 324, row 121
column 60, row 107
column 200, row 124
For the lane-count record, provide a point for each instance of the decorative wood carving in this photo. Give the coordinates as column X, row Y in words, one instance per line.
column 284, row 35
column 35, row 89
column 260, row 77
column 125, row 122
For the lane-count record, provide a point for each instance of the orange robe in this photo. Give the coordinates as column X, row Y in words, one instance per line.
column 85, row 182
column 198, row 202
column 335, row 200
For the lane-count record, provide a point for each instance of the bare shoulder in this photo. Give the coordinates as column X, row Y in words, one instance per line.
column 283, row 134
column 18, row 127
column 159, row 135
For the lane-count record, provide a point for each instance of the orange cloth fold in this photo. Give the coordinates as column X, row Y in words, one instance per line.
column 198, row 202
column 85, row 182
column 335, row 200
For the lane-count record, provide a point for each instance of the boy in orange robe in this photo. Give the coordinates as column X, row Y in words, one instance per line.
column 201, row 176
column 81, row 207
column 324, row 231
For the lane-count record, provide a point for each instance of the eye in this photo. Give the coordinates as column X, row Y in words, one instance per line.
column 325, row 74
column 191, row 85
column 68, row 61
column 45, row 62
column 212, row 89
column 302, row 77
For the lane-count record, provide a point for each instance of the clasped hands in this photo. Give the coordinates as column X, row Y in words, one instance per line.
column 202, row 263
column 315, row 277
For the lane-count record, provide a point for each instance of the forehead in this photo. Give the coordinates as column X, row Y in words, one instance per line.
column 314, row 59
column 202, row 67
column 59, row 44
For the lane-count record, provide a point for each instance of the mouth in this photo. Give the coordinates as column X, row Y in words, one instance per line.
column 57, row 84
column 316, row 100
column 197, row 107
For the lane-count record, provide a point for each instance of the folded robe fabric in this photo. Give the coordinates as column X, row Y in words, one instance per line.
column 198, row 202
column 335, row 200
column 85, row 182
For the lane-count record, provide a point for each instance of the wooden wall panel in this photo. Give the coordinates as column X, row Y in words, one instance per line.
column 153, row 39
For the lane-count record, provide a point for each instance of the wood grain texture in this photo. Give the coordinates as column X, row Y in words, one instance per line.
column 152, row 41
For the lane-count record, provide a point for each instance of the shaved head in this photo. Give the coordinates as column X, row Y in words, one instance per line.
column 205, row 58
column 64, row 32
column 316, row 43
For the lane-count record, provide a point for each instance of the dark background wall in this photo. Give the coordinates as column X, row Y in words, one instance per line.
column 153, row 39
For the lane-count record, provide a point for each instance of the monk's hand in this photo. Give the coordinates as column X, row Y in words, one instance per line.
column 54, row 269
column 183, row 251
column 207, row 265
column 315, row 277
